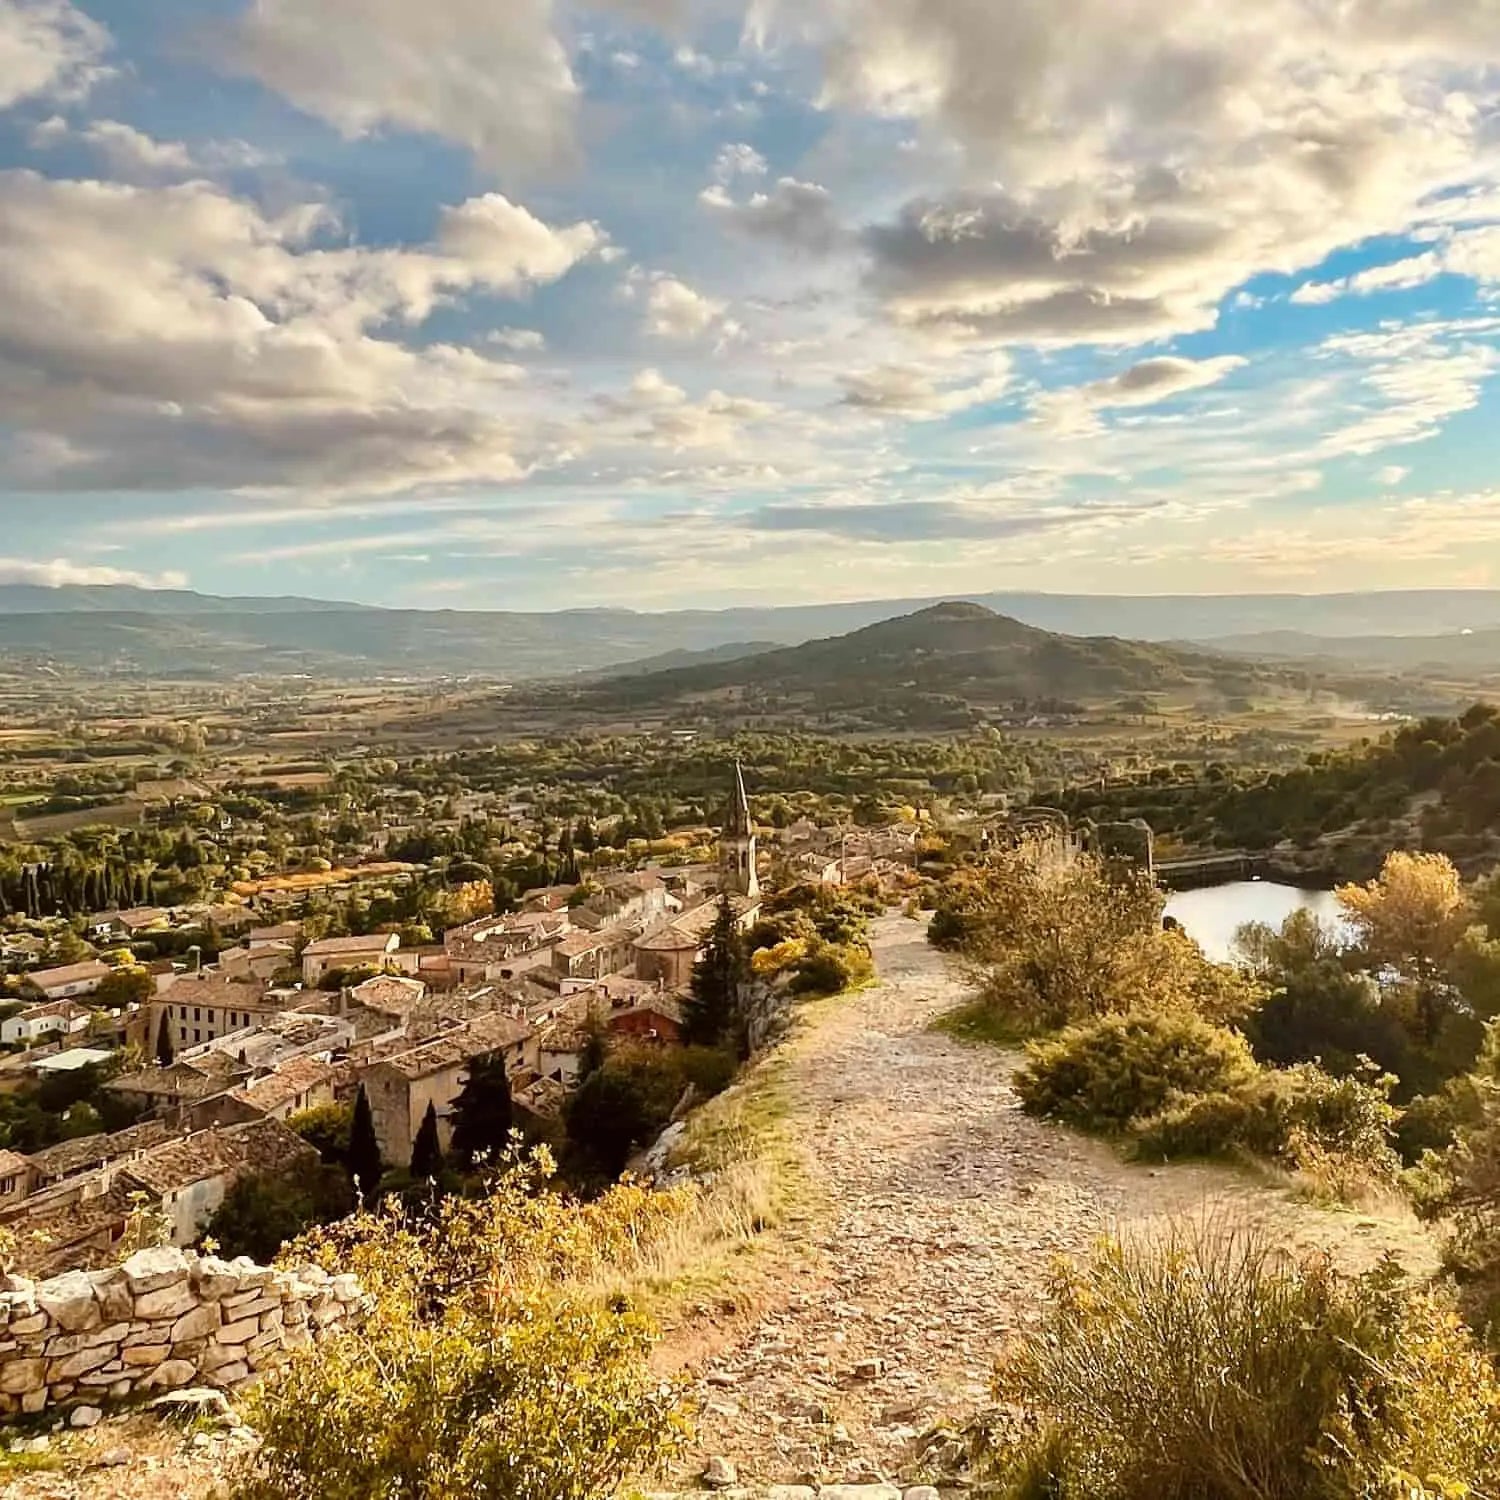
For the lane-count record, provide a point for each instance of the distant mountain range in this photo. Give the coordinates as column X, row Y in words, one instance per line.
column 180, row 633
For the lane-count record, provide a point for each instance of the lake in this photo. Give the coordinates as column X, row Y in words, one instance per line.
column 1212, row 914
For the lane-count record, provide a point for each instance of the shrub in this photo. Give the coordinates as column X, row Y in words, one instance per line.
column 1336, row 1131
column 1105, row 1073
column 486, row 1367
column 630, row 1098
column 1208, row 1366
column 1055, row 944
column 829, row 969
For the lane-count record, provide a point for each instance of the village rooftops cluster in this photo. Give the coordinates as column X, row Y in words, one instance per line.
column 235, row 1051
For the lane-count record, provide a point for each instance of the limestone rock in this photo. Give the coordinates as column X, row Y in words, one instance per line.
column 214, row 1278
column 171, row 1372
column 69, row 1300
column 169, row 1301
column 145, row 1356
column 196, row 1324
column 152, row 1270
column 22, row 1376
column 85, row 1416
column 112, row 1288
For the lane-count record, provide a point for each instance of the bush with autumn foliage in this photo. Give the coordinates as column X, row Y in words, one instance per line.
column 493, row 1362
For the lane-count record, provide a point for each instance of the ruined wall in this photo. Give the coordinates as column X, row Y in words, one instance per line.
column 165, row 1318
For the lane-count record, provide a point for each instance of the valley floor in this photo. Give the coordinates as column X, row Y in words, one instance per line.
column 934, row 1208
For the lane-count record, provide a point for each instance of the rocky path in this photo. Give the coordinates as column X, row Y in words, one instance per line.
column 939, row 1207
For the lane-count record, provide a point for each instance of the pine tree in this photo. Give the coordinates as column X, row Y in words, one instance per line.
column 712, row 1014
column 482, row 1112
column 427, row 1150
column 164, row 1053
column 364, row 1149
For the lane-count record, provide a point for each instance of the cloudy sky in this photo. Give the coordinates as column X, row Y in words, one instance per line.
column 520, row 303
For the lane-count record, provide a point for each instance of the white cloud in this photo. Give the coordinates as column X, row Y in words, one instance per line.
column 1153, row 159
column 1144, row 384
column 130, row 155
column 675, row 311
column 798, row 213
column 1391, row 475
column 520, row 340
column 242, row 351
column 493, row 78
column 48, row 48
column 738, row 160
column 59, row 572
column 922, row 392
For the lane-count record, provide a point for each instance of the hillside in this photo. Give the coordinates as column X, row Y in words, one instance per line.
column 935, row 667
column 1433, row 784
column 1468, row 652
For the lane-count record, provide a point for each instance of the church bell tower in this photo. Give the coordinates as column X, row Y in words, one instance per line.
column 737, row 843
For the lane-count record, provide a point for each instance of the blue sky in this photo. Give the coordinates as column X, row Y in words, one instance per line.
column 669, row 304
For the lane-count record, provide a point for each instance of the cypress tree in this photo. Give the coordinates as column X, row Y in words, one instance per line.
column 482, row 1112
column 165, row 1055
column 364, row 1149
column 711, row 1015
column 427, row 1150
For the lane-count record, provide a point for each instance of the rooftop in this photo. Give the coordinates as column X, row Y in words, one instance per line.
column 472, row 1039
column 374, row 942
column 90, row 968
column 68, row 1157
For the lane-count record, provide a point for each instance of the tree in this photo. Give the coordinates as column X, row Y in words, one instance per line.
column 164, row 1052
column 1410, row 920
column 262, row 1211
column 125, row 986
column 364, row 1149
column 713, row 1012
column 427, row 1150
column 482, row 1112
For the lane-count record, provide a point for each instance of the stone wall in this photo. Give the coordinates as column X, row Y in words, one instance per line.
column 165, row 1318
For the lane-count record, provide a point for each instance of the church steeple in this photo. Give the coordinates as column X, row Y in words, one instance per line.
column 737, row 842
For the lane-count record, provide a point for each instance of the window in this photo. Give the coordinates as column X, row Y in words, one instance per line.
column 196, row 1036
column 195, row 1013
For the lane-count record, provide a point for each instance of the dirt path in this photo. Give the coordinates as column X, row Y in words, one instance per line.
column 940, row 1207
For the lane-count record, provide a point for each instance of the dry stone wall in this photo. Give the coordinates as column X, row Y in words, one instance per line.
column 164, row 1319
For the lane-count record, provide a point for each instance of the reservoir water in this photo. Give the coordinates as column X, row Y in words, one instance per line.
column 1211, row 915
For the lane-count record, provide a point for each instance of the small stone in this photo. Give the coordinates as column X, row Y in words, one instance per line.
column 34, row 1401
column 869, row 1369
column 719, row 1473
column 85, row 1416
column 921, row 1492
column 170, row 1372
column 859, row 1492
column 144, row 1356
column 113, row 1458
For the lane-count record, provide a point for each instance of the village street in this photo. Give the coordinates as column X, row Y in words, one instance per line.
column 939, row 1206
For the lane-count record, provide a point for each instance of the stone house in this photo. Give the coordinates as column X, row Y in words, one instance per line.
column 121, row 926
column 371, row 951
column 399, row 1088
column 68, row 982
column 583, row 957
column 260, row 964
column 15, row 1179
column 170, row 1091
column 653, row 1018
column 667, row 955
column 198, row 1008
column 298, row 1084
column 49, row 1018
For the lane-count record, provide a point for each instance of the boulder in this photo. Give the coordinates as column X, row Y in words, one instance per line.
column 70, row 1302
column 152, row 1270
column 719, row 1473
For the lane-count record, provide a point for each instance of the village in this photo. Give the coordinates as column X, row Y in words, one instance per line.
column 209, row 1061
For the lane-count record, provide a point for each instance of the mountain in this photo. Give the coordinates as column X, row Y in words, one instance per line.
column 176, row 632
column 931, row 667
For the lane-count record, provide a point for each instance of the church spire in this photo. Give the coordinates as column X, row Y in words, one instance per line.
column 737, row 842
column 737, row 814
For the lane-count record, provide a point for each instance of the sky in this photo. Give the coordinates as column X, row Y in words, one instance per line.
column 528, row 304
